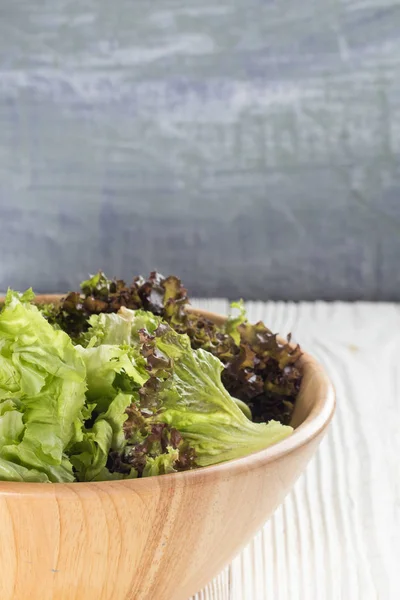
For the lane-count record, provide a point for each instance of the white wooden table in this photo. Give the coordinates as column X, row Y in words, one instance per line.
column 337, row 535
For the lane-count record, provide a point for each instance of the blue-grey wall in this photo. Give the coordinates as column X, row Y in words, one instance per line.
column 250, row 146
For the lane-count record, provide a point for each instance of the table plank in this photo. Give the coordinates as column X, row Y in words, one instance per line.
column 337, row 534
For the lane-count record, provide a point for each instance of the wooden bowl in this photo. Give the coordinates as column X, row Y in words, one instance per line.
column 158, row 538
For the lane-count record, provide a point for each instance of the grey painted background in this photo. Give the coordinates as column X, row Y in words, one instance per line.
column 251, row 146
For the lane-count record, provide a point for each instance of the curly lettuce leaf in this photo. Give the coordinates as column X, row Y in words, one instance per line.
column 10, row 471
column 107, row 329
column 153, row 448
column 114, row 375
column 162, row 464
column 42, row 374
column 110, row 367
column 198, row 405
column 90, row 456
column 234, row 321
column 139, row 446
column 184, row 392
column 259, row 370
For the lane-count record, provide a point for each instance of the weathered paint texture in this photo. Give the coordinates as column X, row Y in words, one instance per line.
column 251, row 146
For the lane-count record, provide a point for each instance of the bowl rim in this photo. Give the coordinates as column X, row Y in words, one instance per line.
column 318, row 419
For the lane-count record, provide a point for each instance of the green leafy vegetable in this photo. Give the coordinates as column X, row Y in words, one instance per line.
column 195, row 402
column 10, row 471
column 104, row 364
column 42, row 394
column 122, row 381
column 114, row 375
column 259, row 369
column 184, row 392
column 233, row 322
column 152, row 449
column 90, row 456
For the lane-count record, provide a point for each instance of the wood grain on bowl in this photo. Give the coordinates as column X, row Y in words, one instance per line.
column 160, row 538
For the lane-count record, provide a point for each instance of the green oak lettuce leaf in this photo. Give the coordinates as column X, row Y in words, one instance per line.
column 118, row 328
column 235, row 320
column 114, row 361
column 114, row 375
column 90, row 456
column 194, row 401
column 162, row 464
column 153, row 448
column 110, row 367
column 11, row 422
column 106, row 328
column 10, row 471
column 42, row 392
column 180, row 388
column 184, row 388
